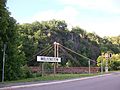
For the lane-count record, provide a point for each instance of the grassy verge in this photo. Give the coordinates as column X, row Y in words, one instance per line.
column 52, row 77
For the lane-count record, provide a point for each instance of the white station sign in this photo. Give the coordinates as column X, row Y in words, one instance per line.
column 48, row 59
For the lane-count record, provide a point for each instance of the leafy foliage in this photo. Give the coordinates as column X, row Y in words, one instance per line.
column 113, row 63
column 9, row 36
column 38, row 35
column 25, row 40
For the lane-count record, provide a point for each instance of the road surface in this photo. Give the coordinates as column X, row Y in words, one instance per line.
column 108, row 82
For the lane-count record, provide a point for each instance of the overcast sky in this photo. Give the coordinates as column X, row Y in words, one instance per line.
column 99, row 16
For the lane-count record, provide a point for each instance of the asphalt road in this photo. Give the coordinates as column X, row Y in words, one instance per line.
column 109, row 82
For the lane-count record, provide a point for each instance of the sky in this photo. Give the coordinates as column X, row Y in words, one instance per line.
column 99, row 16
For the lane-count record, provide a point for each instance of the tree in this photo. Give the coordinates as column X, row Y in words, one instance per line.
column 9, row 35
column 113, row 62
column 79, row 31
column 4, row 14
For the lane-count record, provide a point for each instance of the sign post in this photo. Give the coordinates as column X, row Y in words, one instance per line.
column 89, row 67
column 43, row 69
column 101, row 66
column 44, row 59
column 54, row 59
column 3, row 62
column 107, row 56
column 106, row 67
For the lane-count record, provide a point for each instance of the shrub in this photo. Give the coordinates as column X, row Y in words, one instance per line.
column 26, row 72
column 115, row 65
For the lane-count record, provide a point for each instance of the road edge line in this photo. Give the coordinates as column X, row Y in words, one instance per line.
column 50, row 83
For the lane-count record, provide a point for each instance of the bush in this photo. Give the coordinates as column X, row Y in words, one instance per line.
column 26, row 72
column 37, row 74
column 115, row 65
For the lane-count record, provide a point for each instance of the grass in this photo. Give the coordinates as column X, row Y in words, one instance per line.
column 53, row 77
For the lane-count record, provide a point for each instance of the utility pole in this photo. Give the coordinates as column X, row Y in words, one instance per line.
column 55, row 57
column 3, row 62
column 89, row 66
column 56, row 53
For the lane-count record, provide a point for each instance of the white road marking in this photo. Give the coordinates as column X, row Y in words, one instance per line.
column 50, row 83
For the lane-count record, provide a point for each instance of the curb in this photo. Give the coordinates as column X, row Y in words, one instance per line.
column 50, row 83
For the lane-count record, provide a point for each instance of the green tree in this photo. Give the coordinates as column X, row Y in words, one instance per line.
column 4, row 14
column 9, row 35
column 113, row 62
column 39, row 35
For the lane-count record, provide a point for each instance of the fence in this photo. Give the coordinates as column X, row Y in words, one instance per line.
column 67, row 70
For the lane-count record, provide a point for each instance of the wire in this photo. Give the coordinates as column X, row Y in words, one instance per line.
column 40, row 52
column 49, row 51
column 77, row 53
column 43, row 50
column 68, row 54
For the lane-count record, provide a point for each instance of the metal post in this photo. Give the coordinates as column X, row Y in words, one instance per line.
column 57, row 53
column 57, row 49
column 106, row 70
column 89, row 66
column 3, row 62
column 106, row 67
column 54, row 56
column 43, row 69
column 101, row 66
